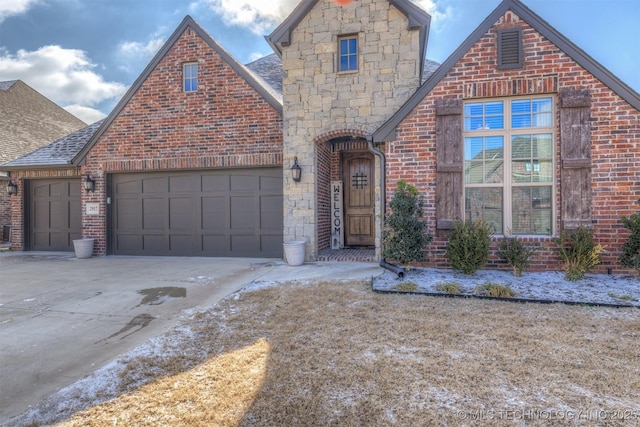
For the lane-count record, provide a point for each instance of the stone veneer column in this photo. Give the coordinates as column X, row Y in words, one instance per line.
column 317, row 99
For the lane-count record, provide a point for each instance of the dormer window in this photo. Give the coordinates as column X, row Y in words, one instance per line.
column 190, row 77
column 348, row 53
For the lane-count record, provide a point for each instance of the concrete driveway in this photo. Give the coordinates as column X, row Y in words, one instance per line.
column 61, row 317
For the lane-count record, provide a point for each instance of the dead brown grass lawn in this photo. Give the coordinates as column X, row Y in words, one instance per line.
column 338, row 354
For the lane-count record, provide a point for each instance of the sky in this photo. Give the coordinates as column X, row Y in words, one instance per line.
column 84, row 54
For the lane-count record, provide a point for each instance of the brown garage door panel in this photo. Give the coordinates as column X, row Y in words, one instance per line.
column 54, row 212
column 211, row 213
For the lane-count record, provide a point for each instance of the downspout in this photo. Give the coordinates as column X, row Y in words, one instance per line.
column 383, row 204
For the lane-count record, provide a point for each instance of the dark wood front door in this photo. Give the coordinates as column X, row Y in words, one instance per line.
column 357, row 178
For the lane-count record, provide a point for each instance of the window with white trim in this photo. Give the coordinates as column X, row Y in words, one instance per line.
column 508, row 164
column 190, row 77
column 348, row 53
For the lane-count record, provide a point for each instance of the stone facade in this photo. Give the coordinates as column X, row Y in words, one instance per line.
column 322, row 103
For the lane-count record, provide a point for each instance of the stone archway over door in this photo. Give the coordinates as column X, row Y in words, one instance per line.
column 359, row 210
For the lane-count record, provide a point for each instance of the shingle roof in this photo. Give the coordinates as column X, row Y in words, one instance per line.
column 58, row 153
column 7, row 85
column 269, row 68
column 29, row 120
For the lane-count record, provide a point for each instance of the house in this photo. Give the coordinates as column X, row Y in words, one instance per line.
column 518, row 127
column 28, row 121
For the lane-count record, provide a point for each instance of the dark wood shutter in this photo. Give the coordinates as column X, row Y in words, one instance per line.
column 575, row 154
column 449, row 183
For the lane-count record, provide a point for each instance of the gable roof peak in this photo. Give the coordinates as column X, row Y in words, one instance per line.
column 188, row 22
column 281, row 36
column 387, row 131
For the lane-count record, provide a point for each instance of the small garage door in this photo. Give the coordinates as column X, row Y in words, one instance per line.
column 54, row 213
column 236, row 213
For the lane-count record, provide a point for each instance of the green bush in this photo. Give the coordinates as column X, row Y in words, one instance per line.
column 579, row 252
column 630, row 256
column 405, row 233
column 468, row 247
column 516, row 254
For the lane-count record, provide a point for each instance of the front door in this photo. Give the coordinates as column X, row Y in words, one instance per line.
column 357, row 178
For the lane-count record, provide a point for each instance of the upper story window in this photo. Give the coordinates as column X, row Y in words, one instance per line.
column 508, row 164
column 348, row 53
column 190, row 77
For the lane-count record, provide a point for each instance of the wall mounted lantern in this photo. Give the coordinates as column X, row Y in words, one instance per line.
column 296, row 171
column 89, row 184
column 12, row 188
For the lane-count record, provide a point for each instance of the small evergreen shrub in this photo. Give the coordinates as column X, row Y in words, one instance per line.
column 579, row 252
column 468, row 247
column 490, row 289
column 406, row 233
column 450, row 288
column 630, row 256
column 516, row 254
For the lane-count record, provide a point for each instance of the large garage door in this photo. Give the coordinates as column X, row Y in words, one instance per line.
column 234, row 213
column 54, row 213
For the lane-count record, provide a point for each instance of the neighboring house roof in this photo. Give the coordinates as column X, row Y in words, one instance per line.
column 418, row 20
column 29, row 120
column 58, row 153
column 257, row 82
column 387, row 131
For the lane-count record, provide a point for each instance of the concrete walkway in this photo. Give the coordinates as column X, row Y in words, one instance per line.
column 62, row 317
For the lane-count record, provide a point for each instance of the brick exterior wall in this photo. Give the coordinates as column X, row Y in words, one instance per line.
column 319, row 100
column 5, row 205
column 615, row 136
column 225, row 124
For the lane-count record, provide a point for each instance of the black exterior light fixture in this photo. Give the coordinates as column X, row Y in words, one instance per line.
column 296, row 171
column 89, row 184
column 11, row 188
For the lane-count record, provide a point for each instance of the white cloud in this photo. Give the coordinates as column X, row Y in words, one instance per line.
column 259, row 16
column 438, row 16
column 65, row 76
column 137, row 49
column 15, row 7
column 86, row 114
column 262, row 16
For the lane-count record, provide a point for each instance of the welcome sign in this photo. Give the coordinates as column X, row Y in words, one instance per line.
column 337, row 235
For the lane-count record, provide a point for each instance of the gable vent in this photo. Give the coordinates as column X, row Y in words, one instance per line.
column 510, row 48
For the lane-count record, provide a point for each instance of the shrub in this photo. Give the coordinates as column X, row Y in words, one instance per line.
column 630, row 256
column 579, row 252
column 516, row 254
column 490, row 289
column 405, row 234
column 450, row 288
column 468, row 247
column 407, row 287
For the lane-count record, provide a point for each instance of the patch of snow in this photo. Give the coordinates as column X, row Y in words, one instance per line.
column 540, row 286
